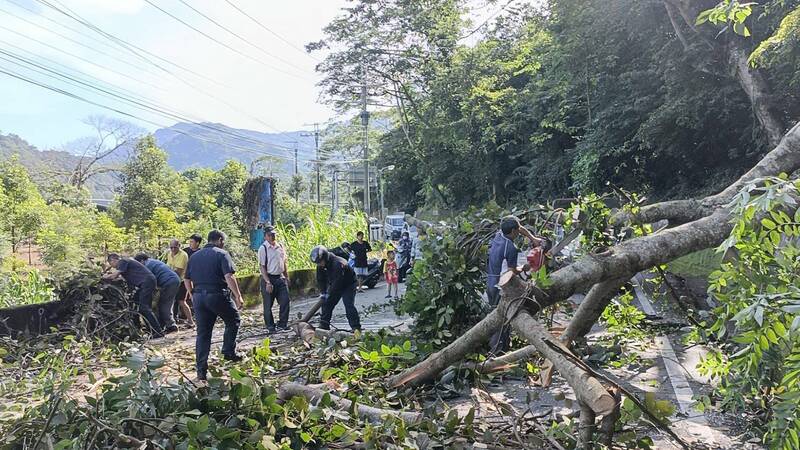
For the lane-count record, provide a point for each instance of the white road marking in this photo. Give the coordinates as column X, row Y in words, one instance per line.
column 675, row 372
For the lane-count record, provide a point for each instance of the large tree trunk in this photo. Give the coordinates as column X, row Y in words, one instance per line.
column 759, row 93
column 753, row 83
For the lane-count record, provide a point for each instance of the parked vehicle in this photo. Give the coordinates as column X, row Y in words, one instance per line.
column 393, row 226
column 374, row 272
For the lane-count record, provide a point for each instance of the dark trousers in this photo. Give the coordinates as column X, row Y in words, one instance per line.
column 349, row 298
column 144, row 300
column 166, row 300
column 501, row 340
column 280, row 291
column 207, row 307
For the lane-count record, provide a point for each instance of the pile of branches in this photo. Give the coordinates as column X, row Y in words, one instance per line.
column 100, row 310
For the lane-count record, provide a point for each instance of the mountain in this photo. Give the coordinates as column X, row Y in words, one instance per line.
column 211, row 144
column 206, row 145
column 43, row 165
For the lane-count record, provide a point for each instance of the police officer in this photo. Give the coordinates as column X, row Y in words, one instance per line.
column 215, row 293
column 336, row 280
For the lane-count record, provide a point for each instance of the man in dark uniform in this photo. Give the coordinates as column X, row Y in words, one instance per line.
column 336, row 280
column 215, row 293
column 137, row 275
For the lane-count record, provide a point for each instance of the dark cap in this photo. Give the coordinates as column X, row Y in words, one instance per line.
column 269, row 229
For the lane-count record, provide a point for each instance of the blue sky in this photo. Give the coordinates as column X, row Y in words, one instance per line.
column 266, row 98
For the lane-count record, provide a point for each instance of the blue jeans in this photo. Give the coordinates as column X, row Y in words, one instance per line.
column 280, row 291
column 144, row 300
column 207, row 307
column 349, row 299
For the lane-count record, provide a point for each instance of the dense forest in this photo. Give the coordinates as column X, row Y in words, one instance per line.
column 569, row 96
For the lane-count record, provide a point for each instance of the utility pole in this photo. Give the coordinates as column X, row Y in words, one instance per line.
column 295, row 159
column 316, row 146
column 318, row 162
column 365, row 123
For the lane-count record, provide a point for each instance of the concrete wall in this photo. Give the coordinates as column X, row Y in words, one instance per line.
column 303, row 283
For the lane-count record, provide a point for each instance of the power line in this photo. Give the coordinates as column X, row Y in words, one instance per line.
column 240, row 37
column 127, row 63
column 134, row 49
column 143, row 105
column 268, row 30
column 127, row 114
column 218, row 42
column 79, row 57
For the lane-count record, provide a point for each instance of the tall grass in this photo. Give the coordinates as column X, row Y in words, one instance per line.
column 318, row 228
column 25, row 289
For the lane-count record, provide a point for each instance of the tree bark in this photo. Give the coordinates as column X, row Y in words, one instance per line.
column 313, row 394
column 591, row 308
column 313, row 311
column 437, row 362
column 504, row 362
column 759, row 93
column 626, row 258
column 588, row 389
column 784, row 158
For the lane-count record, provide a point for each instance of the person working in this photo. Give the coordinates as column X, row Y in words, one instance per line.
column 336, row 280
column 210, row 279
column 360, row 248
column 167, row 282
column 143, row 281
column 503, row 255
column 273, row 263
column 177, row 260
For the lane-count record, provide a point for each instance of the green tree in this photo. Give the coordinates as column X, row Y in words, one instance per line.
column 22, row 205
column 148, row 183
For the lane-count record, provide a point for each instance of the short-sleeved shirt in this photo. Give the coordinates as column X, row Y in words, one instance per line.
column 134, row 272
column 502, row 255
column 189, row 252
column 360, row 250
column 207, row 268
column 164, row 275
column 274, row 257
column 178, row 261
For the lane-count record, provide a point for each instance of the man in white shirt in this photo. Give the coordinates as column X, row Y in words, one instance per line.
column 272, row 260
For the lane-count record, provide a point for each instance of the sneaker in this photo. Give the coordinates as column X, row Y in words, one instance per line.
column 283, row 328
column 271, row 330
column 388, row 296
column 171, row 329
column 235, row 357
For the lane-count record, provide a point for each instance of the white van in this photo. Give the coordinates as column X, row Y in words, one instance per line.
column 393, row 226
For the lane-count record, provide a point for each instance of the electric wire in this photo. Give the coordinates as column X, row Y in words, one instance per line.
column 257, row 22
column 134, row 49
column 218, row 42
column 240, row 37
column 127, row 63
column 143, row 105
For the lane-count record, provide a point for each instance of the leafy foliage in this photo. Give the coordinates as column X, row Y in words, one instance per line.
column 757, row 323
column 25, row 289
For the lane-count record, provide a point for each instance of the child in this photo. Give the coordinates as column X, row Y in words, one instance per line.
column 391, row 274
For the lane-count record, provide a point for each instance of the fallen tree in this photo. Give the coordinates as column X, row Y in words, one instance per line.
column 702, row 224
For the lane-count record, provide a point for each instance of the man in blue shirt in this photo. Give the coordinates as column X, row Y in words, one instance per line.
column 168, row 283
column 215, row 293
column 144, row 283
column 503, row 255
